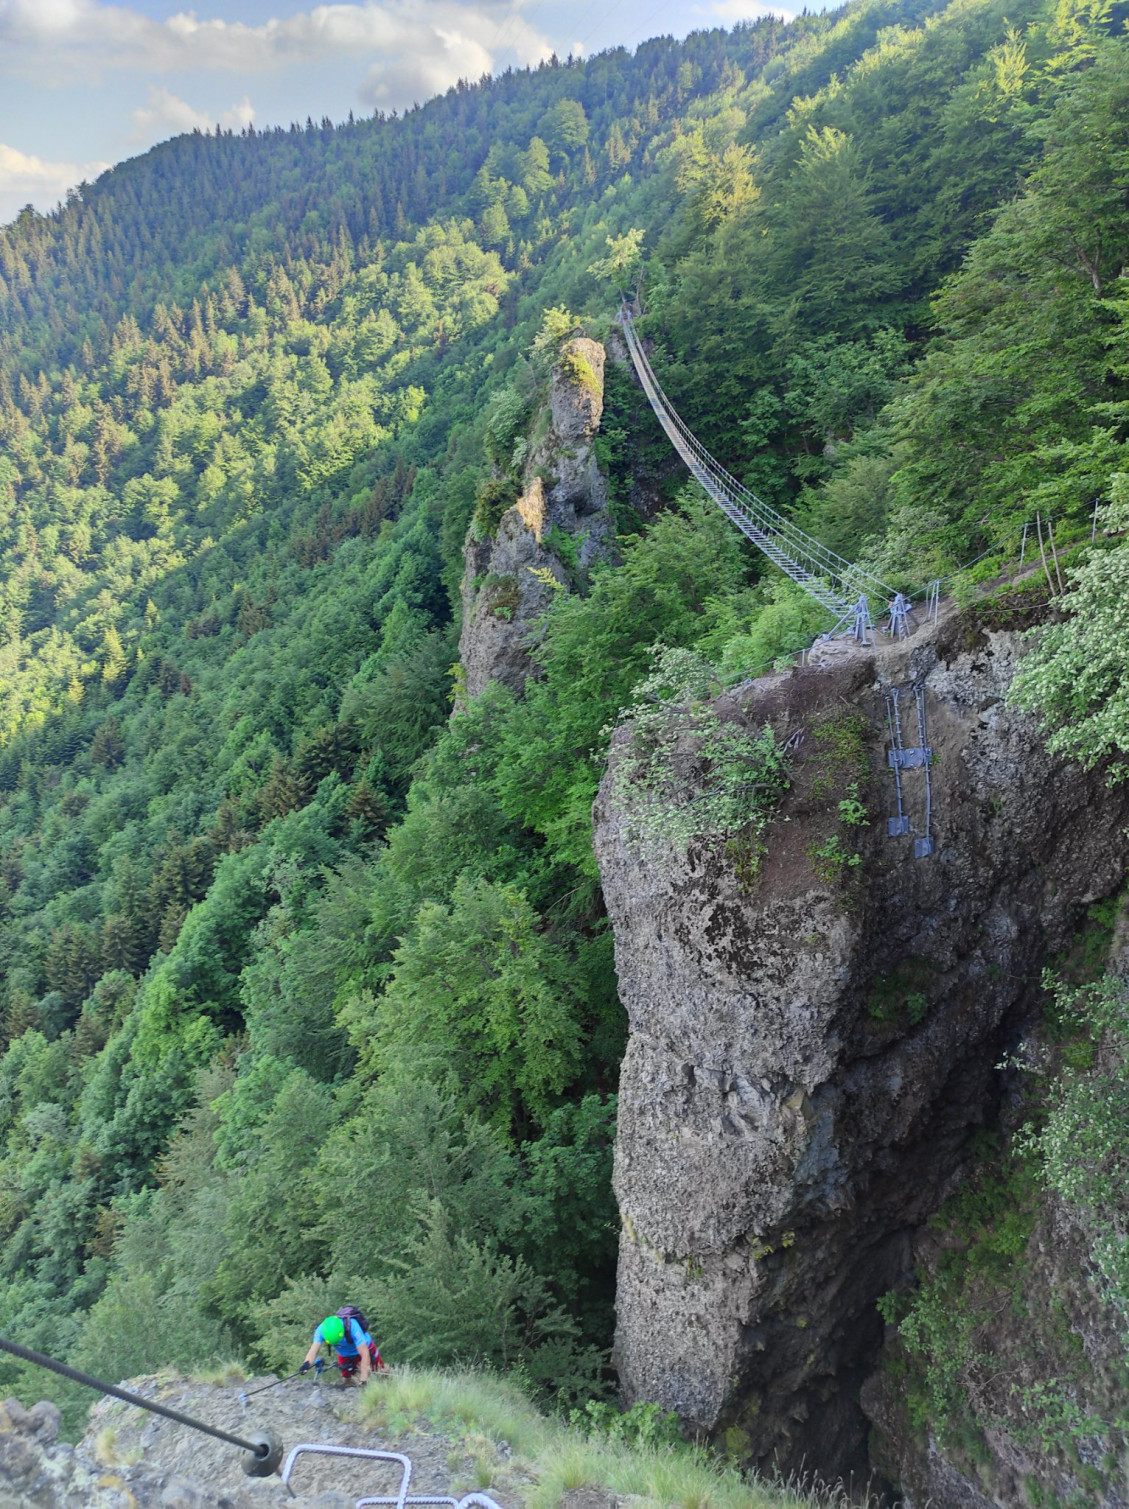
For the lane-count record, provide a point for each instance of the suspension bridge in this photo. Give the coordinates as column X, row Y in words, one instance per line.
column 847, row 591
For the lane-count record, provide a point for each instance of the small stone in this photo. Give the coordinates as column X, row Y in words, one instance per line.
column 182, row 1495
column 15, row 1417
column 44, row 1418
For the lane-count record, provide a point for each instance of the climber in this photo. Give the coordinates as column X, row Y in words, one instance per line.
column 346, row 1334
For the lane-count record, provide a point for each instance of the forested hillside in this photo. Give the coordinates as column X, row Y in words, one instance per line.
column 306, row 989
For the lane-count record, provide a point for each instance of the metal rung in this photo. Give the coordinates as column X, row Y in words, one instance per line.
column 325, row 1449
column 910, row 759
column 402, row 1499
column 922, row 848
column 897, row 827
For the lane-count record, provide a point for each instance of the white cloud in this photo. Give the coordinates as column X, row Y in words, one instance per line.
column 425, row 34
column 418, row 74
column 163, row 114
column 395, row 51
column 29, row 180
column 732, row 11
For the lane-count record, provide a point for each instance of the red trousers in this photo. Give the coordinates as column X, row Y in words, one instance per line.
column 348, row 1365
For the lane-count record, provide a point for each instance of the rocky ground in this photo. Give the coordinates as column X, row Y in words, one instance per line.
column 129, row 1459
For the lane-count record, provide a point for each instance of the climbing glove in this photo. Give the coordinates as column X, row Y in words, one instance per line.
column 305, row 1368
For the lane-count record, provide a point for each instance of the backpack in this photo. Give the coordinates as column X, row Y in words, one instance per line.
column 348, row 1313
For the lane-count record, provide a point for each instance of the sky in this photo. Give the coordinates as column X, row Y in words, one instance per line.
column 84, row 84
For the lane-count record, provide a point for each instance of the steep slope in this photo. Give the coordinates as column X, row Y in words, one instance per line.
column 279, row 939
column 464, row 1432
column 815, row 1033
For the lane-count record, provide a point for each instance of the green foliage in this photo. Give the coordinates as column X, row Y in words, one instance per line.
column 564, row 126
column 688, row 775
column 279, row 942
column 981, row 1347
column 1083, row 1145
column 1074, row 679
column 1017, row 405
column 452, row 1300
column 853, row 813
column 479, row 999
column 551, row 1457
column 508, row 416
column 641, row 1425
column 557, row 324
column 492, row 497
column 832, row 859
column 625, row 253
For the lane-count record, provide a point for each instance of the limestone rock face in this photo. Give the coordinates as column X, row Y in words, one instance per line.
column 811, row 1046
column 575, row 400
column 508, row 582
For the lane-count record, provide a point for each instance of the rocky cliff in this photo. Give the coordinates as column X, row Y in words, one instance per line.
column 556, row 528
column 129, row 1459
column 814, row 1040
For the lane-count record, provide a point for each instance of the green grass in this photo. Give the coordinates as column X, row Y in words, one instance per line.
column 551, row 1458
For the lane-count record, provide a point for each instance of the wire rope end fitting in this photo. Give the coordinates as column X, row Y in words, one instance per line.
column 264, row 1461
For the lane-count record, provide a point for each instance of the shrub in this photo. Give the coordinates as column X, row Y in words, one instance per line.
column 492, row 498
column 690, row 775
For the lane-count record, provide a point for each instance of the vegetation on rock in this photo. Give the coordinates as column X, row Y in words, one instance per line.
column 304, row 989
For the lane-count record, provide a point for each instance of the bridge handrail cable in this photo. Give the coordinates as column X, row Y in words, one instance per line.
column 740, row 494
column 805, row 558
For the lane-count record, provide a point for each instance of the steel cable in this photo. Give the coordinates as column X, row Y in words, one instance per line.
column 257, row 1449
column 803, row 557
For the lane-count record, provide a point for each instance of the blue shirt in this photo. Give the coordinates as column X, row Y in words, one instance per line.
column 352, row 1341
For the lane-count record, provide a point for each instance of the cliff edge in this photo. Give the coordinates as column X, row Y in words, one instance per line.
column 814, row 1032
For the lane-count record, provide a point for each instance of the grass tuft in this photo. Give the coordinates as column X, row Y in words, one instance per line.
column 553, row 1458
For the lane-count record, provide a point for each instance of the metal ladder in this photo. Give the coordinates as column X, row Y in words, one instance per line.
column 901, row 757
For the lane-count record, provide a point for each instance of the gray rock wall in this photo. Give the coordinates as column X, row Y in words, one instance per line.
column 507, row 583
column 808, row 1056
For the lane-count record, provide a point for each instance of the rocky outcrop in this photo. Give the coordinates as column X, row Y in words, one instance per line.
column 555, row 530
column 130, row 1459
column 811, row 1046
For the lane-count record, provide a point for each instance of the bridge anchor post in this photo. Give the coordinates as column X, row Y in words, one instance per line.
column 862, row 620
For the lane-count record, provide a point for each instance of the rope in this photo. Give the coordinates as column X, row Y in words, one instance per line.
column 277, row 1383
column 257, row 1449
column 782, row 536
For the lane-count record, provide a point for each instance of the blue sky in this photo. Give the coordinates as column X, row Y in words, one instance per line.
column 84, row 83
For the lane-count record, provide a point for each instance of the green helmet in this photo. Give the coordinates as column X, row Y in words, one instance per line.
column 332, row 1329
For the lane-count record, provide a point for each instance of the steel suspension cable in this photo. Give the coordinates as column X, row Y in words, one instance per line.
column 257, row 1448
column 781, row 532
column 769, row 521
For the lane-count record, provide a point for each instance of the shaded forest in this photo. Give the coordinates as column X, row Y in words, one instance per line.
column 305, row 988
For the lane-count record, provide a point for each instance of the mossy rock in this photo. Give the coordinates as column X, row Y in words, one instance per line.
column 493, row 497
column 501, row 596
column 579, row 372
